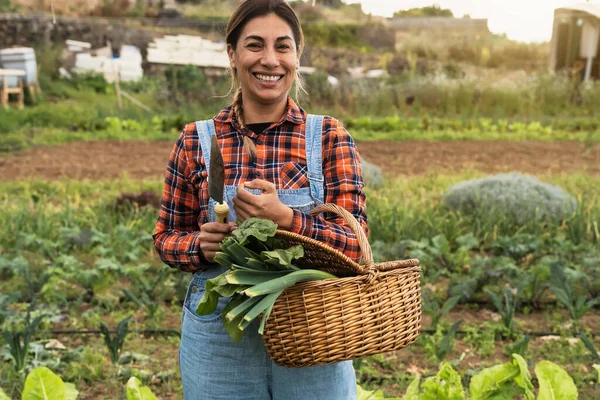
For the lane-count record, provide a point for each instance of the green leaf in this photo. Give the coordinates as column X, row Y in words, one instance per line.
column 362, row 394
column 412, row 392
column 266, row 302
column 71, row 391
column 446, row 385
column 210, row 298
column 232, row 326
column 468, row 241
column 449, row 305
column 135, row 390
column 524, row 377
column 441, row 242
column 239, row 306
column 43, row 384
column 261, row 229
column 555, row 383
column 283, row 257
column 3, row 395
column 253, row 277
column 590, row 346
column 490, row 380
column 495, row 300
column 597, row 367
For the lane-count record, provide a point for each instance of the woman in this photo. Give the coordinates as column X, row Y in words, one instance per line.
column 279, row 164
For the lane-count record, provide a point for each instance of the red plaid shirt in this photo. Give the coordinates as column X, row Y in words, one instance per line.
column 280, row 159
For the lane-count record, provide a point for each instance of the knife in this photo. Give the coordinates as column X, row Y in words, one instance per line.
column 216, row 180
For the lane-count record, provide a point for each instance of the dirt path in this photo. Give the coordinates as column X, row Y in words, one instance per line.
column 98, row 160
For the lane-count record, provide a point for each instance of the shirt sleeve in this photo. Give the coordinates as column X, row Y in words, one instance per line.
column 176, row 234
column 344, row 186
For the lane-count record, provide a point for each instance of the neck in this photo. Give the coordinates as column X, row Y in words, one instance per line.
column 255, row 112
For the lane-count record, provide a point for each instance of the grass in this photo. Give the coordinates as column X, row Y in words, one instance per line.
column 43, row 228
column 409, row 208
column 86, row 109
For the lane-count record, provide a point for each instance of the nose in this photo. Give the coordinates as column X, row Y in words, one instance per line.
column 269, row 58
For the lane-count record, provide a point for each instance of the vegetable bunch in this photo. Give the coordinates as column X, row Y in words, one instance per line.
column 258, row 271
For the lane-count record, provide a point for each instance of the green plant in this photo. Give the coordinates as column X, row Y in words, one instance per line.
column 18, row 340
column 520, row 347
column 438, row 345
column 482, row 337
column 145, row 297
column 6, row 6
column 590, row 346
column 560, row 286
column 258, row 273
column 115, row 343
column 136, row 391
column 514, row 196
column 508, row 307
column 432, row 308
column 502, row 381
column 42, row 383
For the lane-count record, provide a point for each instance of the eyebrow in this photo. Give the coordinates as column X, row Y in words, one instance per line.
column 259, row 38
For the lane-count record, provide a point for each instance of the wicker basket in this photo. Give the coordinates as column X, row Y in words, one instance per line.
column 373, row 308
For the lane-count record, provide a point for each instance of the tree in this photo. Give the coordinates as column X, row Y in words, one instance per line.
column 329, row 3
column 428, row 11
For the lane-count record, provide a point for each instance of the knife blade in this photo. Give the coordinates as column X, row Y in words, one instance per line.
column 216, row 180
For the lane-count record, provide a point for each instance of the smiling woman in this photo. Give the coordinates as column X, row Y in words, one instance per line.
column 279, row 163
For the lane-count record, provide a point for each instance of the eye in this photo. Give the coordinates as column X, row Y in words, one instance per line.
column 284, row 47
column 254, row 45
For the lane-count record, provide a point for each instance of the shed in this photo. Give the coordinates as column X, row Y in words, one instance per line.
column 575, row 45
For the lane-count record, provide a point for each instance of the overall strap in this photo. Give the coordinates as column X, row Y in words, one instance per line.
column 205, row 131
column 314, row 157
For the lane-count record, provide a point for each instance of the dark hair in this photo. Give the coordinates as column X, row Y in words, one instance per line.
column 245, row 12
column 251, row 9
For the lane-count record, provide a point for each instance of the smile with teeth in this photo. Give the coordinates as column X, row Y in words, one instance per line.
column 268, row 78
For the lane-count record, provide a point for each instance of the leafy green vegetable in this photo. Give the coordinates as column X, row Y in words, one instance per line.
column 261, row 229
column 446, row 385
column 412, row 392
column 524, row 377
column 136, row 391
column 43, row 384
column 555, row 383
column 491, row 380
column 257, row 274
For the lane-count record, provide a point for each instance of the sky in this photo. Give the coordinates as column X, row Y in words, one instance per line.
column 522, row 20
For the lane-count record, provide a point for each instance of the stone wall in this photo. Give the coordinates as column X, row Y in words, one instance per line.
column 38, row 31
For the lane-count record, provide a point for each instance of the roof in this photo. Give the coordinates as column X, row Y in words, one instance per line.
column 593, row 9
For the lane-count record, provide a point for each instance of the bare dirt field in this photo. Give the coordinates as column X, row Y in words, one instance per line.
column 104, row 160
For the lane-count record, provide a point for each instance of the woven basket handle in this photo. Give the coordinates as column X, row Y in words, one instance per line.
column 363, row 242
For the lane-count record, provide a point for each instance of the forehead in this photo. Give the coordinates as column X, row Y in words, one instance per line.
column 268, row 27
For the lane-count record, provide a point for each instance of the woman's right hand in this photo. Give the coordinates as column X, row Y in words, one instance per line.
column 211, row 236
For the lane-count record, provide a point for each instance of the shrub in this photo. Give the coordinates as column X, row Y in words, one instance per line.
column 514, row 196
column 371, row 174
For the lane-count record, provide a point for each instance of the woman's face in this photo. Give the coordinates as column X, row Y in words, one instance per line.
column 265, row 60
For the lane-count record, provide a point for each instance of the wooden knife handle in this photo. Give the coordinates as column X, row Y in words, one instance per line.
column 222, row 210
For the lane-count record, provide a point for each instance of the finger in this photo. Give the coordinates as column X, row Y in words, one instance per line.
column 241, row 214
column 212, row 237
column 260, row 184
column 215, row 227
column 210, row 247
column 243, row 194
column 232, row 225
column 239, row 205
column 209, row 255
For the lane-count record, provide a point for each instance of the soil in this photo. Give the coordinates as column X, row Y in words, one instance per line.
column 105, row 160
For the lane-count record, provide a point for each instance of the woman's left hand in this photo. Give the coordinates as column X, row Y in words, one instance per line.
column 265, row 205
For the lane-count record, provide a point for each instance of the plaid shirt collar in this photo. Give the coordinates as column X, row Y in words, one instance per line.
column 294, row 114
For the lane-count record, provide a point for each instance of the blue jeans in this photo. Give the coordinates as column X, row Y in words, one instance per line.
column 214, row 367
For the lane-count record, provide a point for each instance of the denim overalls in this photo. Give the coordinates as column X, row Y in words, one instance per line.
column 212, row 365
